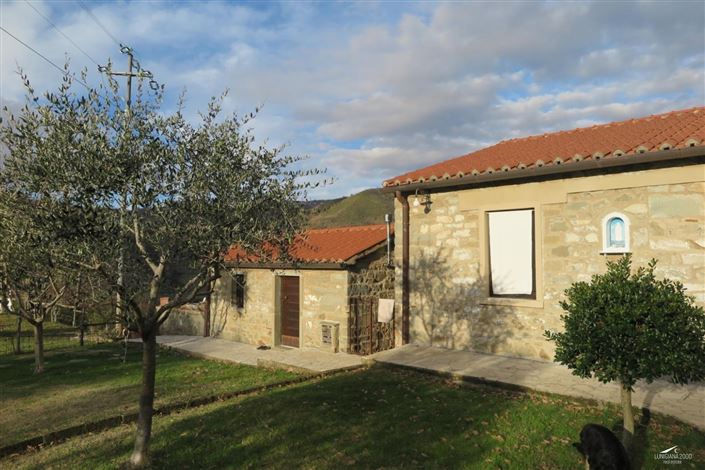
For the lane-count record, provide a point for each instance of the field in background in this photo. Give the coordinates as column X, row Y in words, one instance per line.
column 56, row 335
column 363, row 208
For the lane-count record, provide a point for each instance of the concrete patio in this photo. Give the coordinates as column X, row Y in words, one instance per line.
column 687, row 403
column 307, row 360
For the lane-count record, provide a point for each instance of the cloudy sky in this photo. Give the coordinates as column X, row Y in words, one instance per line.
column 372, row 89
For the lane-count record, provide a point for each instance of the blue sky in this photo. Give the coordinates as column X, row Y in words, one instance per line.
column 370, row 90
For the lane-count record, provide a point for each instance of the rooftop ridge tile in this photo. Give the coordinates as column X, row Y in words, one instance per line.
column 611, row 139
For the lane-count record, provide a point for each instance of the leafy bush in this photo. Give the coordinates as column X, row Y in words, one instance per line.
column 625, row 327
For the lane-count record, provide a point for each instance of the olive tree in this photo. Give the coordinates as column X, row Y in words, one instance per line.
column 32, row 277
column 150, row 187
column 626, row 326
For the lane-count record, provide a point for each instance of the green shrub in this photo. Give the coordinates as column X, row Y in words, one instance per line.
column 627, row 326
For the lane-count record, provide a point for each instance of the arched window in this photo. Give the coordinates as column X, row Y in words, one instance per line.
column 615, row 233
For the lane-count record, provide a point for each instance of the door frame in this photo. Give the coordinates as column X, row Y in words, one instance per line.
column 278, row 307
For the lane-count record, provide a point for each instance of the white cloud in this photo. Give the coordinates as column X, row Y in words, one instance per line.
column 372, row 90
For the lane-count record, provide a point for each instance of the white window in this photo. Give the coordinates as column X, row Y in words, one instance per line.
column 512, row 267
column 615, row 233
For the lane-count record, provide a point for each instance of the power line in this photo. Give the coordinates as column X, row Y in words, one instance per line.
column 61, row 32
column 124, row 49
column 97, row 21
column 63, row 71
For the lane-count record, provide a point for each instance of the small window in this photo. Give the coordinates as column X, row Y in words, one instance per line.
column 615, row 233
column 238, row 290
column 511, row 253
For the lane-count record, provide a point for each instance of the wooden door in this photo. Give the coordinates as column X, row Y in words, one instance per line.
column 289, row 295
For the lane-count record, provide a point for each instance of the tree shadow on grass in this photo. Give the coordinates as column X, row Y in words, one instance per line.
column 52, row 413
column 350, row 420
column 379, row 418
column 639, row 453
column 370, row 419
column 85, row 385
column 640, row 441
column 88, row 366
column 72, row 366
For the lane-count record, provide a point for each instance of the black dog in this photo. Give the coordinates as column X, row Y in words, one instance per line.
column 601, row 449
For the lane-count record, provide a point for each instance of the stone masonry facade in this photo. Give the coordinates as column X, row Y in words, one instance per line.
column 449, row 292
column 323, row 296
column 372, row 277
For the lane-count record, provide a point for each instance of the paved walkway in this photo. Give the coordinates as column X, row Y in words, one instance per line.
column 686, row 403
column 310, row 360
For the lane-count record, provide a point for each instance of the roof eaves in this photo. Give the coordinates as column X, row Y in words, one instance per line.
column 323, row 265
column 353, row 259
column 576, row 164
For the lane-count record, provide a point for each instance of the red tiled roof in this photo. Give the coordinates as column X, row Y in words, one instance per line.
column 676, row 129
column 328, row 245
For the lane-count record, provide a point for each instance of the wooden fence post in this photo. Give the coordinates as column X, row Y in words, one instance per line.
column 18, row 349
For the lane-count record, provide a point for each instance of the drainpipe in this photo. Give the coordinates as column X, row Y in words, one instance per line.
column 388, row 221
column 208, row 303
column 404, row 201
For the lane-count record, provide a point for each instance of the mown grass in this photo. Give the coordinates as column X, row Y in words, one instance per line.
column 82, row 385
column 56, row 335
column 378, row 418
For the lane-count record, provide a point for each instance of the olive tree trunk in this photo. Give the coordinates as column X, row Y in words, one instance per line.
column 18, row 347
column 144, row 420
column 38, row 347
column 628, row 413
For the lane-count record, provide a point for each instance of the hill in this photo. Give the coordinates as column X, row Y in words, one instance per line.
column 366, row 207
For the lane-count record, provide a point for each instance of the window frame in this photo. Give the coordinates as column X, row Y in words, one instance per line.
column 237, row 290
column 483, row 248
column 533, row 294
column 605, row 227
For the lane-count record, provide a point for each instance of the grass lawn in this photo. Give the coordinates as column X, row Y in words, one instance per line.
column 86, row 384
column 378, row 418
column 56, row 335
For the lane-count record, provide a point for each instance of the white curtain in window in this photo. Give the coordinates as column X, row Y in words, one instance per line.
column 511, row 252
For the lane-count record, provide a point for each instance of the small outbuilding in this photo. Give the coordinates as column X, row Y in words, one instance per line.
column 326, row 297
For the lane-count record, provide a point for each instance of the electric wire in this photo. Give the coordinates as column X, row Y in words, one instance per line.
column 61, row 32
column 97, row 21
column 64, row 72
column 49, row 61
column 153, row 84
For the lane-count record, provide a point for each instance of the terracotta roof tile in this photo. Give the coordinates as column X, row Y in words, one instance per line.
column 676, row 129
column 329, row 245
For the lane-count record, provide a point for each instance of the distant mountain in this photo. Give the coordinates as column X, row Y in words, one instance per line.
column 363, row 208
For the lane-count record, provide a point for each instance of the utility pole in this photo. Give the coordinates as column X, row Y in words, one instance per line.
column 129, row 74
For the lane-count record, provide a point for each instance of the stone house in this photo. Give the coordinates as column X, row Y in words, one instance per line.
column 313, row 301
column 491, row 240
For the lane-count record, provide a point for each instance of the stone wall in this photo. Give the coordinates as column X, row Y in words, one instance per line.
column 187, row 320
column 323, row 297
column 256, row 322
column 667, row 223
column 449, row 292
column 372, row 277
